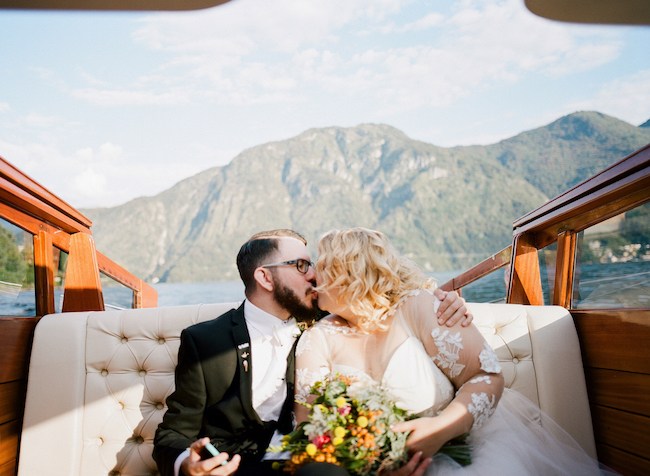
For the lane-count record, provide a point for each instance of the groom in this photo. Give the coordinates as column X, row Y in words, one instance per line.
column 235, row 374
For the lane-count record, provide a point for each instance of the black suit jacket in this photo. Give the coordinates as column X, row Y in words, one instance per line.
column 213, row 395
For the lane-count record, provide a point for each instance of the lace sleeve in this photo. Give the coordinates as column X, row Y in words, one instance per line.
column 463, row 355
column 312, row 364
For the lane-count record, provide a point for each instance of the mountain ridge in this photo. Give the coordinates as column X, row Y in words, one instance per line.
column 446, row 208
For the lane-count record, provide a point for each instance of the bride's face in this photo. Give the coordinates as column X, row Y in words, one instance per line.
column 328, row 300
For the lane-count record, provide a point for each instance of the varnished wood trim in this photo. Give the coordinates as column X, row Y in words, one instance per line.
column 19, row 198
column 525, row 285
column 564, row 269
column 9, row 433
column 60, row 239
column 617, row 177
column 16, row 334
column 12, row 395
column 18, row 178
column 83, row 288
column 44, row 273
column 143, row 296
column 147, row 296
column 615, row 340
column 622, row 461
column 622, row 430
column 627, row 391
column 482, row 269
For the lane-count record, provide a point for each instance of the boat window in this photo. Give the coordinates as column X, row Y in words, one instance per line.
column 60, row 266
column 116, row 295
column 489, row 288
column 17, row 294
column 612, row 268
column 547, row 258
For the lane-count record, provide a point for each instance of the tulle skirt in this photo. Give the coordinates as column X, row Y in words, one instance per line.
column 517, row 440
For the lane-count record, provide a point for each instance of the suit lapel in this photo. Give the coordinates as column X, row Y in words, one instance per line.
column 286, row 420
column 243, row 345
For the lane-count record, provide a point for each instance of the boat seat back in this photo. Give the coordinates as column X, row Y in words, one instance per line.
column 98, row 381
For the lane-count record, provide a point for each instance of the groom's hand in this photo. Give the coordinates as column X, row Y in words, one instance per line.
column 452, row 309
column 193, row 465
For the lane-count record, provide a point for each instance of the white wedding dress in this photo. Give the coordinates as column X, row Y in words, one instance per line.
column 420, row 363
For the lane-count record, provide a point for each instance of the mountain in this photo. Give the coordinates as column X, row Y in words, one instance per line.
column 447, row 208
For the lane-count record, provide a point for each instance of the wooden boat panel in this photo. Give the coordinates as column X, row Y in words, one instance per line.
column 8, row 469
column 615, row 340
column 623, row 390
column 623, row 430
column 11, row 401
column 9, row 433
column 623, row 462
column 16, row 335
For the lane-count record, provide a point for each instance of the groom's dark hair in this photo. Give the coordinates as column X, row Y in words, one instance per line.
column 259, row 248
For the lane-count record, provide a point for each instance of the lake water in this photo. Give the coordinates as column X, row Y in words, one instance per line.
column 609, row 285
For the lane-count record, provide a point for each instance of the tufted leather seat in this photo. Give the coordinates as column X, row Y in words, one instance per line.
column 98, row 381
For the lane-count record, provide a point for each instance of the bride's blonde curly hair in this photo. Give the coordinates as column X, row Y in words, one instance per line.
column 371, row 275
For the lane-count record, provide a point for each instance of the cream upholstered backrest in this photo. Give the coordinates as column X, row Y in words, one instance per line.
column 98, row 381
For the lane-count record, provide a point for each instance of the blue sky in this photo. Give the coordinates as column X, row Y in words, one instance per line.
column 101, row 107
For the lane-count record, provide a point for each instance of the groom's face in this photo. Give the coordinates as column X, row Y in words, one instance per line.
column 293, row 290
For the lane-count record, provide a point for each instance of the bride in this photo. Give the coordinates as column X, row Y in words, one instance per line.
column 381, row 328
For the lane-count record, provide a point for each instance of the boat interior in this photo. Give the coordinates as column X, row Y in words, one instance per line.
column 83, row 383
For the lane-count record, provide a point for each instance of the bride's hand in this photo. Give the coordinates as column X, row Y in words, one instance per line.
column 452, row 309
column 427, row 435
column 415, row 467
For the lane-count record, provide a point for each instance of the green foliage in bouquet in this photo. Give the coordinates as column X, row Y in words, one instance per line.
column 349, row 425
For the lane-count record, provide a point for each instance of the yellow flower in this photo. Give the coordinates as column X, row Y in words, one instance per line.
column 362, row 421
column 339, row 431
column 340, row 402
column 286, row 438
column 311, row 449
column 275, row 466
column 337, row 440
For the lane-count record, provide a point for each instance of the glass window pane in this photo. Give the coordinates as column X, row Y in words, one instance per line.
column 489, row 288
column 547, row 259
column 116, row 295
column 60, row 266
column 612, row 268
column 17, row 295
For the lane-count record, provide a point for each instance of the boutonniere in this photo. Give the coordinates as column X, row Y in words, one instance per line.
column 302, row 327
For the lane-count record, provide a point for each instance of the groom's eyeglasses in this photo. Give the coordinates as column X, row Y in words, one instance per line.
column 302, row 265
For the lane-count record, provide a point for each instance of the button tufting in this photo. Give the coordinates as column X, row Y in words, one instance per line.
column 122, row 404
column 159, row 406
column 104, row 372
column 161, row 340
column 515, row 360
column 99, row 442
column 139, row 440
column 124, row 340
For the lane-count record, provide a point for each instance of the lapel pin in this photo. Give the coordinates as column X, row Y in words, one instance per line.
column 245, row 355
column 246, row 365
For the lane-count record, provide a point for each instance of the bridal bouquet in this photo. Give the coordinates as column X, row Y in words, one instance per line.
column 349, row 425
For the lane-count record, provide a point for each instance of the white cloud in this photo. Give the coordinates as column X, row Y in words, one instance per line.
column 626, row 98
column 4, row 107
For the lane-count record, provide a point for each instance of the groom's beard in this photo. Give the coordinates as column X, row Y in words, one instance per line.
column 288, row 299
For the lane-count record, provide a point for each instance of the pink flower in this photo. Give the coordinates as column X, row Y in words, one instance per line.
column 343, row 411
column 321, row 440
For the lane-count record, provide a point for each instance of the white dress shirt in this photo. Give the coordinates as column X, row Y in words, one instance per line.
column 271, row 343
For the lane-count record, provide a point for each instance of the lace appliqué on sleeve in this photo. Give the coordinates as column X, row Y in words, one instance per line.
column 481, row 408
column 483, row 378
column 304, row 381
column 303, row 344
column 489, row 360
column 449, row 346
